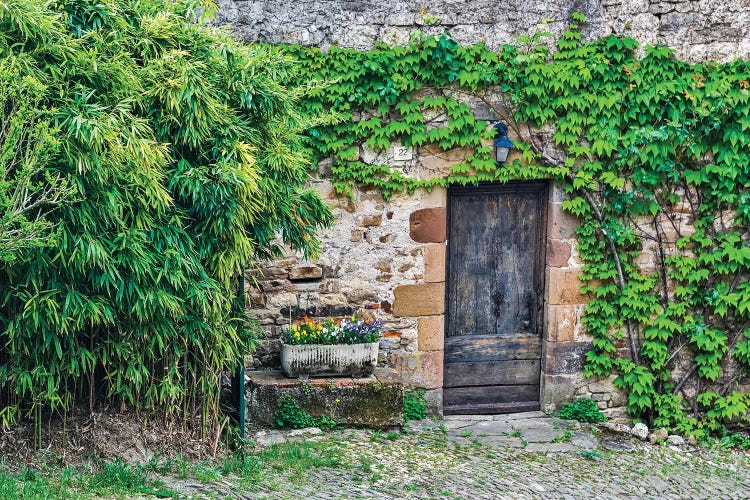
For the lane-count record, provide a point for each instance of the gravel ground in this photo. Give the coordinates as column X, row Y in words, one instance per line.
column 522, row 456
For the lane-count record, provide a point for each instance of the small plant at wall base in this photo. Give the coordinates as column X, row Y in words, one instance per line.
column 415, row 405
column 653, row 153
column 583, row 410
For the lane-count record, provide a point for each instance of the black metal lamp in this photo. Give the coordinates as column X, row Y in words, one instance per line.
column 503, row 144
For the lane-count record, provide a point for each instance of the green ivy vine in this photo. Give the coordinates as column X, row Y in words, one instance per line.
column 653, row 152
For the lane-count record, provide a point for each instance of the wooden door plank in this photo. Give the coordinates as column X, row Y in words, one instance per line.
column 492, row 348
column 463, row 249
column 496, row 393
column 474, row 265
column 479, row 373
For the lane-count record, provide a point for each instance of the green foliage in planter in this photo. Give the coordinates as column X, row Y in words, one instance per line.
column 653, row 153
column 185, row 157
column 583, row 410
column 415, row 405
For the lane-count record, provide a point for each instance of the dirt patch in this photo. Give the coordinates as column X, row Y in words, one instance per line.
column 107, row 433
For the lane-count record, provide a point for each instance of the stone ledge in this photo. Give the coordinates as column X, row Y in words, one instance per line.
column 376, row 401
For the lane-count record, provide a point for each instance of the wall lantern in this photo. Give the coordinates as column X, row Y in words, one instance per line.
column 503, row 144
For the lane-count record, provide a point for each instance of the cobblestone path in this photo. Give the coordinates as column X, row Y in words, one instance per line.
column 527, row 456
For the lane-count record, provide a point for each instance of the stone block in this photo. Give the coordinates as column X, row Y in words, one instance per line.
column 560, row 225
column 286, row 262
column 405, row 267
column 564, row 286
column 558, row 253
column 420, row 369
column 436, row 198
column 426, row 299
column 322, row 311
column 434, row 262
column 431, row 331
column 333, row 299
column 383, row 265
column 256, row 299
column 367, row 402
column 428, row 225
column 565, row 358
column 434, row 166
column 556, row 391
column 483, row 111
column 273, row 273
column 281, row 300
column 454, row 155
column 602, row 385
column 370, row 220
column 658, row 436
column 618, row 415
column 434, row 400
column 371, row 196
column 558, row 194
column 304, row 273
column 560, row 323
column 400, row 19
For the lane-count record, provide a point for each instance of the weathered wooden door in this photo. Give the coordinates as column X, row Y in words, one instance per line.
column 493, row 336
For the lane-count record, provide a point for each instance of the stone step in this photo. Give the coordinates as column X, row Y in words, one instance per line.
column 376, row 401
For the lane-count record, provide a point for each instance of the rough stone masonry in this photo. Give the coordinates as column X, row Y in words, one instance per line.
column 698, row 30
column 388, row 257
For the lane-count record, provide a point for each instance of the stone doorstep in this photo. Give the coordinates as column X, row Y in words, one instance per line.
column 376, row 401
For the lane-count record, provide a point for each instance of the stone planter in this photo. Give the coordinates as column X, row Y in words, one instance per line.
column 356, row 360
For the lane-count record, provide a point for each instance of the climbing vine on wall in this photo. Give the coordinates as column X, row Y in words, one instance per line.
column 653, row 152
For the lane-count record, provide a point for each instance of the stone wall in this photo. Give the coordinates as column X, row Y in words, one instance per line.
column 388, row 257
column 698, row 30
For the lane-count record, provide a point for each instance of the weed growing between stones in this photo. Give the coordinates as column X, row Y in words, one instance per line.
column 564, row 437
column 591, row 455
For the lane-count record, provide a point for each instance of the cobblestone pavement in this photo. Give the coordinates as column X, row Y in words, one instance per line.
column 520, row 456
